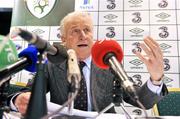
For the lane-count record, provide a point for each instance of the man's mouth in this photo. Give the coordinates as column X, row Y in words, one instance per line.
column 82, row 45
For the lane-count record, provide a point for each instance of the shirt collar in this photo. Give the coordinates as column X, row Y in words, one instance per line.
column 88, row 61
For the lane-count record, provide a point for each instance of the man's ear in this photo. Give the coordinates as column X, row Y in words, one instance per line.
column 63, row 39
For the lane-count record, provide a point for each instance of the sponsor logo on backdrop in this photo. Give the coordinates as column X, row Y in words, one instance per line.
column 163, row 4
column 137, row 47
column 166, row 64
column 111, row 32
column 110, row 18
column 86, row 5
column 86, row 2
column 168, row 81
column 135, row 3
column 137, row 64
column 137, row 80
column 136, row 32
column 59, row 33
column 164, row 46
column 137, row 112
column 137, row 17
column 39, row 32
column 164, row 32
column 40, row 8
column 111, row 4
column 162, row 17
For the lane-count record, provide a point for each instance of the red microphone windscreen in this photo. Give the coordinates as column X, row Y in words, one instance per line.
column 101, row 48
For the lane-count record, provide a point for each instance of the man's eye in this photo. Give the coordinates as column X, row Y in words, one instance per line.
column 87, row 30
column 76, row 30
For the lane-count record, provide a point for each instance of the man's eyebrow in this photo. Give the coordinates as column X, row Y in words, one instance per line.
column 74, row 27
column 86, row 26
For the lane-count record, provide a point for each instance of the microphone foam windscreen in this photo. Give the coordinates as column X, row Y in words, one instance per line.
column 60, row 56
column 31, row 53
column 101, row 48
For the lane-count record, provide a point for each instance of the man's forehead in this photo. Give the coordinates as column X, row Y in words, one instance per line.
column 80, row 19
column 79, row 25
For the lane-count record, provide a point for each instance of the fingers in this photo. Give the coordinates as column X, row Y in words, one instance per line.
column 154, row 48
column 152, row 51
column 141, row 57
column 22, row 109
column 152, row 40
column 22, row 101
column 153, row 58
column 147, row 51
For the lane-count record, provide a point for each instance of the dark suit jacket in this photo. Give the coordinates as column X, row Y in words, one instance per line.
column 101, row 87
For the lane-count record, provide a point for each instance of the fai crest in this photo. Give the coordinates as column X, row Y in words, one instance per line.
column 40, row 8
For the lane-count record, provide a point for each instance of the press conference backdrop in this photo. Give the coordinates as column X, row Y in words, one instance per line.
column 41, row 17
column 127, row 21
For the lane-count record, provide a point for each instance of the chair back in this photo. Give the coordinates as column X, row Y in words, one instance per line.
column 169, row 105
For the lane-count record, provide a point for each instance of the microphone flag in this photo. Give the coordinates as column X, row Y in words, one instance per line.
column 8, row 52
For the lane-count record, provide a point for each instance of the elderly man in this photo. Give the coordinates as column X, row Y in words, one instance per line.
column 77, row 33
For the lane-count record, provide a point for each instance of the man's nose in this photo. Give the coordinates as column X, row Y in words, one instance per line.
column 82, row 34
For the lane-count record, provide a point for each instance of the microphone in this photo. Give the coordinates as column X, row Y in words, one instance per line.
column 27, row 61
column 60, row 56
column 74, row 77
column 8, row 52
column 108, row 53
column 55, row 53
column 42, row 45
column 73, row 68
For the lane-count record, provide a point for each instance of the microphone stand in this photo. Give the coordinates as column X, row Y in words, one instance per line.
column 117, row 100
column 37, row 106
column 4, row 85
column 117, row 97
column 125, row 112
column 127, row 115
column 105, row 109
column 73, row 89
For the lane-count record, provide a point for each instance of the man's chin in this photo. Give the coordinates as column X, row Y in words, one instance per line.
column 83, row 54
column 82, row 49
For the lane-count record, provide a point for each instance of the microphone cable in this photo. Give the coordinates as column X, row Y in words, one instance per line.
column 136, row 99
column 142, row 107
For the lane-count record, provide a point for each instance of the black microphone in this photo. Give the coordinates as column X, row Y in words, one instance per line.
column 42, row 45
column 108, row 53
column 60, row 56
column 55, row 53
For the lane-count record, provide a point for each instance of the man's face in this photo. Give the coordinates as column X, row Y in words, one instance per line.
column 79, row 36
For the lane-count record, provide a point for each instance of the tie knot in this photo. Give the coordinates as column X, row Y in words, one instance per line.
column 81, row 64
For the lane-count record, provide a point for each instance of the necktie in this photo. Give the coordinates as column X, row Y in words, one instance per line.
column 81, row 99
